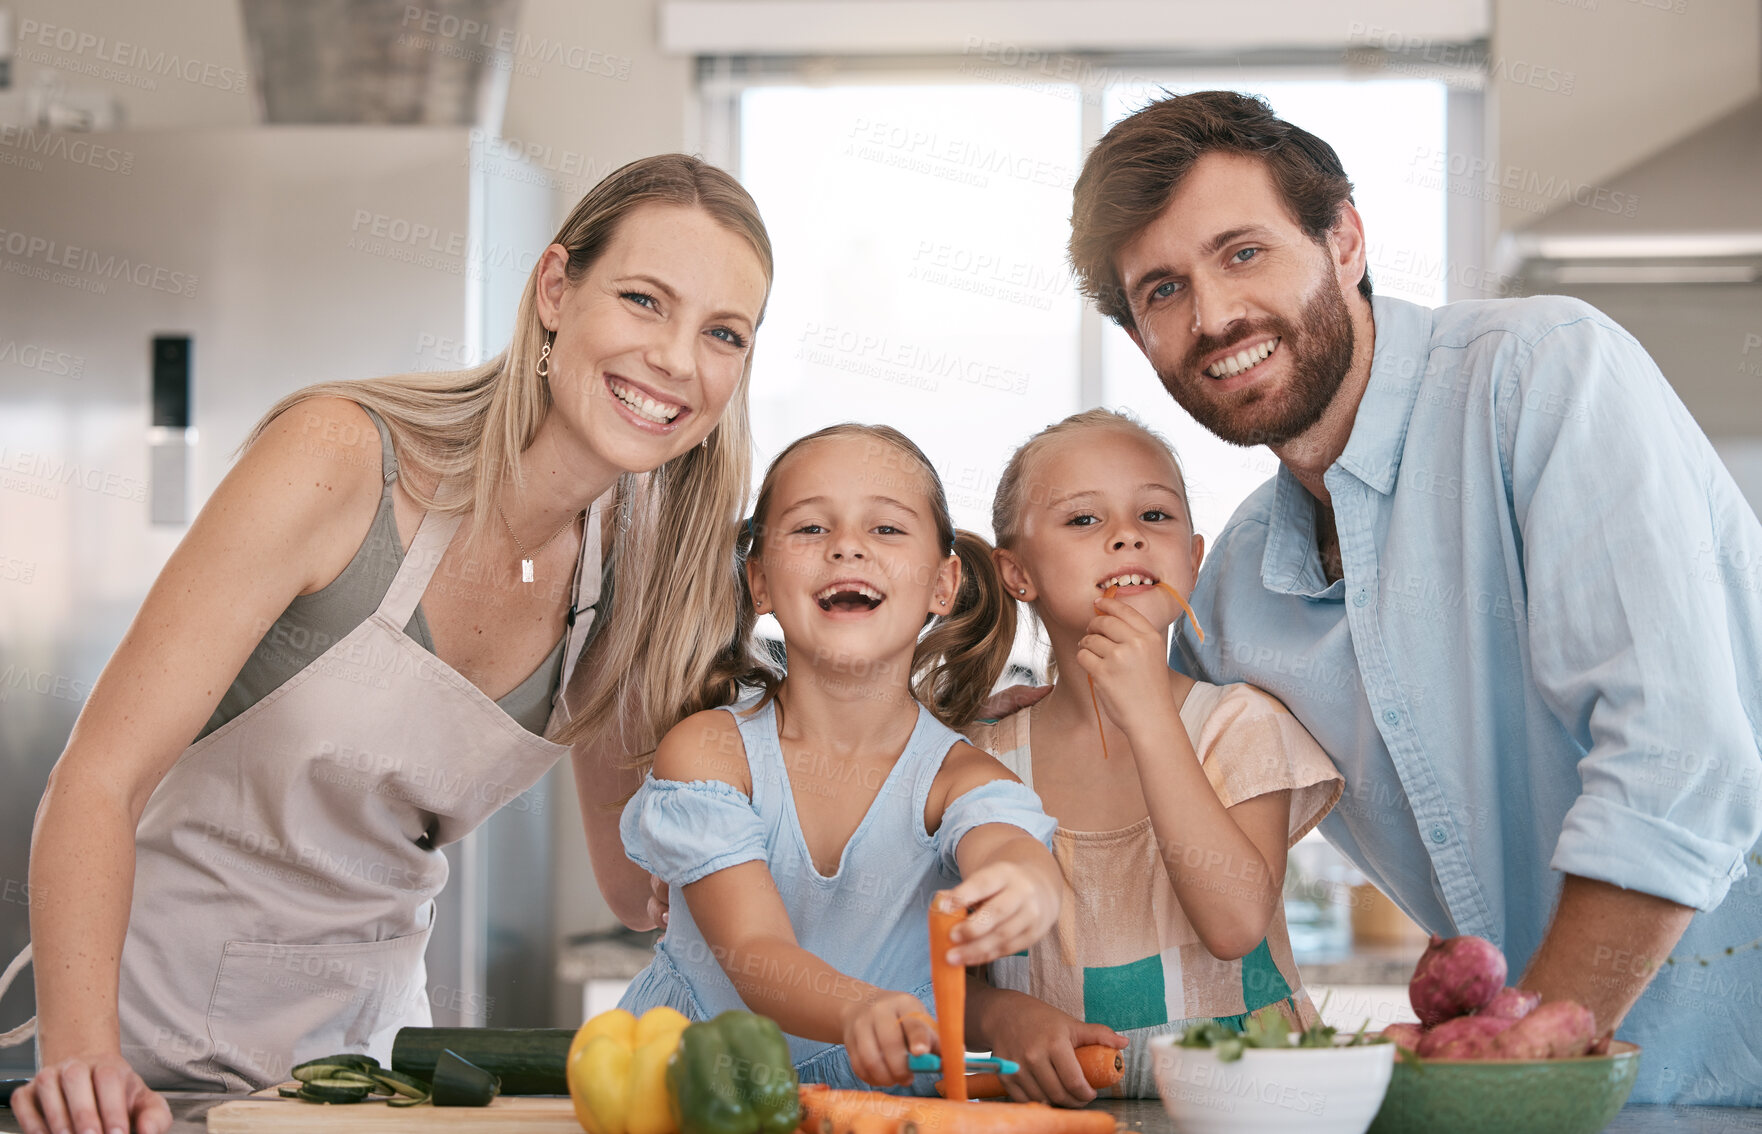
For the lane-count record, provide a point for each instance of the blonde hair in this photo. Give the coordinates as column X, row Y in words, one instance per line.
column 673, row 617
column 1006, row 506
column 960, row 658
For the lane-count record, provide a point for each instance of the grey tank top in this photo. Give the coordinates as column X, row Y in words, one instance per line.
column 314, row 623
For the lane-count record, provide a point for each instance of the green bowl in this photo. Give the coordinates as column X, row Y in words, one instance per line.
column 1508, row 1096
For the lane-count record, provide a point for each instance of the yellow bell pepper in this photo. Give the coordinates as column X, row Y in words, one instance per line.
column 617, row 1071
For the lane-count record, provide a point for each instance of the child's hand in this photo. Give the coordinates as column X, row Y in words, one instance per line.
column 879, row 1035
column 1044, row 1041
column 1126, row 655
column 1014, row 909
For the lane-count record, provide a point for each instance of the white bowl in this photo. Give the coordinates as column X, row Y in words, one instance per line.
column 1313, row 1090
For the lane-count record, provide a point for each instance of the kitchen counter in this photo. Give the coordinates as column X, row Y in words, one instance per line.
column 1147, row 1115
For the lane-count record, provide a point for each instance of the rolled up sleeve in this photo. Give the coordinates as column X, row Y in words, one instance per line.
column 1632, row 636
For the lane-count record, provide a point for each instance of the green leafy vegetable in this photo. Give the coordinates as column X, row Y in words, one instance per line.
column 1269, row 1030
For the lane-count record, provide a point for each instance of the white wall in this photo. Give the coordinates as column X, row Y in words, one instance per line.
column 1585, row 88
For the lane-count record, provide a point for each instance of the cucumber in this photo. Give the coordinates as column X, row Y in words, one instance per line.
column 333, row 1091
column 399, row 1084
column 458, row 1082
column 528, row 1061
column 348, row 1059
column 327, row 1069
column 289, row 1092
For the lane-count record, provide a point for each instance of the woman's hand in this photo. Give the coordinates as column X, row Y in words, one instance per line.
column 1012, row 906
column 881, row 1033
column 1126, row 655
column 86, row 1095
column 1044, row 1041
column 659, row 902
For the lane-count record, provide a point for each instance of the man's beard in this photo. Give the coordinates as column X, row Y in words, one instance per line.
column 1321, row 353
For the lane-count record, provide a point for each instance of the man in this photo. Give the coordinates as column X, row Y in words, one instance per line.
column 1500, row 575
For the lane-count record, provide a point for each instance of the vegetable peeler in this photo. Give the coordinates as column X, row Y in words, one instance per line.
column 930, row 1062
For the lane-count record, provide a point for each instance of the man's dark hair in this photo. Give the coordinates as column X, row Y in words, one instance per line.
column 1131, row 174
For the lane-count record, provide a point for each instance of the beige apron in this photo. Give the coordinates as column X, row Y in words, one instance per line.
column 286, row 867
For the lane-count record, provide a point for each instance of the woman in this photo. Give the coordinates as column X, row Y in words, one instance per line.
column 206, row 914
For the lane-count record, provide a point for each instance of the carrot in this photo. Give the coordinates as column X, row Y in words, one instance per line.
column 1197, row 629
column 871, row 1112
column 828, row 1111
column 946, row 1116
column 1103, row 1066
column 949, row 985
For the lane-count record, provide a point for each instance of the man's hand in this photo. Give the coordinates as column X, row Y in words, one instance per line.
column 1604, row 947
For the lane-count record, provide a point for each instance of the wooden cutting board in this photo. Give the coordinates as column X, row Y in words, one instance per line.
column 266, row 1112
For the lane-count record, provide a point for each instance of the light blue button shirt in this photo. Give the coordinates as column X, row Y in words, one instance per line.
column 1545, row 654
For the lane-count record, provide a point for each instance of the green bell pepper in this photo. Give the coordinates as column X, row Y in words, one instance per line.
column 733, row 1075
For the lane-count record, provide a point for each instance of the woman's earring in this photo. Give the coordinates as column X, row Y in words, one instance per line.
column 1021, row 590
column 544, row 358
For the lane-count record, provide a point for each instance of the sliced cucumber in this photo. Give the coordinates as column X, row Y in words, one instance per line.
column 333, row 1091
column 349, row 1059
column 400, row 1084
column 289, row 1092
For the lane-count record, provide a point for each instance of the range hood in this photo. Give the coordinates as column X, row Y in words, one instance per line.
column 437, row 63
column 1691, row 213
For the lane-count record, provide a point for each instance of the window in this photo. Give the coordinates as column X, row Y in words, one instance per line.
column 920, row 225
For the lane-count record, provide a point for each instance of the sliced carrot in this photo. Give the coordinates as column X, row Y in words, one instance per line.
column 1103, row 1066
column 949, row 985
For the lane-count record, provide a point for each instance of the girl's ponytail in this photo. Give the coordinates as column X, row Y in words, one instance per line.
column 960, row 659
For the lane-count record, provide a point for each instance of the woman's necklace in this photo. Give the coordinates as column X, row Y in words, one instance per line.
column 526, row 557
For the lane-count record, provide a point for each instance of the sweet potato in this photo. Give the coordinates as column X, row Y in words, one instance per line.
column 1510, row 1004
column 1405, row 1036
column 1465, row 1037
column 1558, row 1029
column 1454, row 977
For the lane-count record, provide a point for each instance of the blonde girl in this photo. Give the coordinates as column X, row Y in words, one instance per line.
column 1176, row 800
column 808, row 827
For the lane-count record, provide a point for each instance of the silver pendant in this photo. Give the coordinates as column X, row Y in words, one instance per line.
column 526, row 570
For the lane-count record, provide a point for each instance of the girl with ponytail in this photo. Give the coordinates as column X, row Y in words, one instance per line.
column 808, row 825
column 1176, row 800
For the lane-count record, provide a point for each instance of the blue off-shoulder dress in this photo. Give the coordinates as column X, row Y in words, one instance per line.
column 868, row 920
